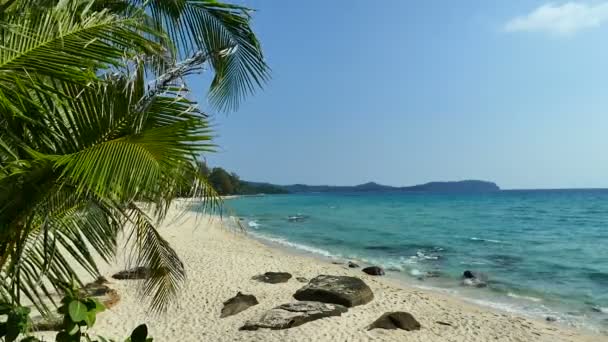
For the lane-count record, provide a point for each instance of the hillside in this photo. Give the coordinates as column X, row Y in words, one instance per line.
column 458, row 186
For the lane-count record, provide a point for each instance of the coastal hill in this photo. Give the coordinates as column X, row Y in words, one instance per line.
column 458, row 186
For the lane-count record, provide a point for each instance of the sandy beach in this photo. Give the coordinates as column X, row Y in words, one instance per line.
column 220, row 261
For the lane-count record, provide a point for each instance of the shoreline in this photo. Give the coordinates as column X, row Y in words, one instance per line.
column 399, row 278
column 507, row 302
column 220, row 260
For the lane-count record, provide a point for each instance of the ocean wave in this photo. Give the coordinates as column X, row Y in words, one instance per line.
column 253, row 224
column 485, row 240
column 305, row 248
column 416, row 273
column 532, row 299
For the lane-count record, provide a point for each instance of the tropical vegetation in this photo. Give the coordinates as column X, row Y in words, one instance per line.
column 99, row 133
column 229, row 183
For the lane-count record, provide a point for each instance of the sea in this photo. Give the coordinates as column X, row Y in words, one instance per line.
column 544, row 252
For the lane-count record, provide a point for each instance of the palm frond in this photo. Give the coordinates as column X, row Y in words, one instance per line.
column 221, row 31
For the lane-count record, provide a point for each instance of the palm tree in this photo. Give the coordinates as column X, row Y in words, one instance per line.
column 98, row 134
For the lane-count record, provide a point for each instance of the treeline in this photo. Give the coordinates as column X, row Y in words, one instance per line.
column 229, row 183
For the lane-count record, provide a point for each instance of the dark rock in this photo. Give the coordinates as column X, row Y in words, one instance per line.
column 139, row 272
column 474, row 279
column 337, row 262
column 96, row 288
column 550, row 319
column 352, row 265
column 302, row 279
column 238, row 303
column 374, row 270
column 347, row 291
column 102, row 292
column 273, row 277
column 291, row 315
column 432, row 274
column 396, row 320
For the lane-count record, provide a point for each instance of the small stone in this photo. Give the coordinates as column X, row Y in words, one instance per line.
column 550, row 319
column 302, row 279
column 352, row 265
column 374, row 270
column 396, row 320
column 273, row 277
column 238, row 303
column 474, row 279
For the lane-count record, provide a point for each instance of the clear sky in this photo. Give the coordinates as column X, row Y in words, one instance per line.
column 405, row 92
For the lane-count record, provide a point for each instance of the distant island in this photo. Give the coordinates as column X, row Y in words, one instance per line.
column 229, row 183
column 458, row 186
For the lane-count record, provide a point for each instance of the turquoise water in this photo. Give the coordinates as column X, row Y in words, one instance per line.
column 545, row 252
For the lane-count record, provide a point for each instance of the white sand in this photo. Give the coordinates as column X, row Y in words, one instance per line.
column 221, row 261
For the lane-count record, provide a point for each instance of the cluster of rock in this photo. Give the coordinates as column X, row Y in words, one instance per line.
column 323, row 296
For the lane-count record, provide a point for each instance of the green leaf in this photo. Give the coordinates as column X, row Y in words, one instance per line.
column 5, row 308
column 73, row 328
column 3, row 329
column 78, row 311
column 90, row 319
column 140, row 334
column 63, row 336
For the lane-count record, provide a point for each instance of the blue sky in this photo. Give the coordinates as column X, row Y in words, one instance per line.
column 413, row 91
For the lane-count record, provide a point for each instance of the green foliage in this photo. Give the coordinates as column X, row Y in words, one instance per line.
column 98, row 133
column 226, row 183
column 79, row 315
column 223, row 182
column 17, row 321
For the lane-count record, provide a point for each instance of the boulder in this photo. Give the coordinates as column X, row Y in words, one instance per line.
column 139, row 272
column 273, row 277
column 475, row 279
column 238, row 303
column 396, row 320
column 291, row 315
column 352, row 265
column 374, row 270
column 343, row 290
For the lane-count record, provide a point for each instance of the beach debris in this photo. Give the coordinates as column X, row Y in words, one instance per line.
column 302, row 279
column 273, row 277
column 138, row 272
column 374, row 270
column 343, row 290
column 396, row 320
column 238, row 303
column 444, row 323
column 474, row 279
column 291, row 315
column 352, row 265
